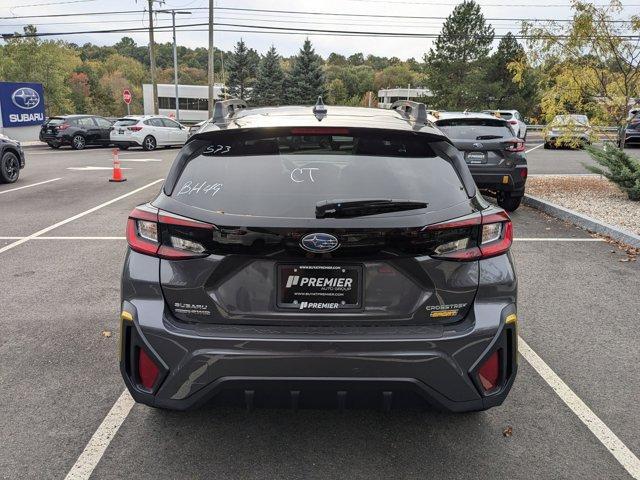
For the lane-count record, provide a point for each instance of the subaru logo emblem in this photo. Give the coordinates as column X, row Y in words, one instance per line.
column 26, row 98
column 477, row 145
column 319, row 243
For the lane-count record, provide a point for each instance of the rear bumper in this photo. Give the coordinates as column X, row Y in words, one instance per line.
column 499, row 179
column 309, row 367
column 59, row 139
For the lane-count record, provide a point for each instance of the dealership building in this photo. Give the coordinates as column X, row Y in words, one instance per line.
column 387, row 96
column 193, row 100
column 21, row 110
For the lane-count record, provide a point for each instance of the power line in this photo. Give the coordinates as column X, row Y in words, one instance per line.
column 298, row 12
column 275, row 28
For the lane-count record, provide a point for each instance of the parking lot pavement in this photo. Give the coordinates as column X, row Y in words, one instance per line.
column 561, row 161
column 59, row 374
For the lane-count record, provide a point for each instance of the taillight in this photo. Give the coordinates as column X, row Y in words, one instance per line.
column 524, row 171
column 513, row 122
column 489, row 372
column 135, row 128
column 479, row 237
column 148, row 371
column 63, row 126
column 167, row 236
column 516, row 146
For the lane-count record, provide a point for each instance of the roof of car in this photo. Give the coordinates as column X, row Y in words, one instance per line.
column 461, row 115
column 336, row 116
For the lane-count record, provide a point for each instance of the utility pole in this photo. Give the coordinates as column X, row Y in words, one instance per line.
column 211, row 69
column 152, row 58
column 175, row 55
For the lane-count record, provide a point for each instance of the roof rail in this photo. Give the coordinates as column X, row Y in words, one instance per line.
column 415, row 110
column 225, row 109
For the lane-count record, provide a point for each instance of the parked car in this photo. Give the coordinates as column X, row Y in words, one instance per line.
column 11, row 159
column 75, row 130
column 630, row 133
column 568, row 130
column 515, row 120
column 148, row 132
column 495, row 156
column 197, row 126
column 384, row 278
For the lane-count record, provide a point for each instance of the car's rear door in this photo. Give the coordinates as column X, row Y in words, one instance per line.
column 104, row 128
column 245, row 206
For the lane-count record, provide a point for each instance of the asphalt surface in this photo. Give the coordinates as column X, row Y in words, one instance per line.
column 561, row 161
column 59, row 377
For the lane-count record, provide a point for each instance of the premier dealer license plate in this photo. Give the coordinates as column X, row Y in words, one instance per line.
column 319, row 287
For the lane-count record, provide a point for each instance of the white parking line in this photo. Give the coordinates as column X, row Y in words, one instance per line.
column 66, row 238
column 31, row 185
column 532, row 149
column 610, row 440
column 92, row 453
column 75, row 217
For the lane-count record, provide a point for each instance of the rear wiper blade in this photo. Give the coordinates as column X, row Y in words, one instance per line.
column 365, row 206
column 488, row 137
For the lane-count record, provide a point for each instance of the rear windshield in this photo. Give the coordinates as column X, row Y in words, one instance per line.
column 570, row 119
column 125, row 122
column 285, row 176
column 475, row 128
column 55, row 121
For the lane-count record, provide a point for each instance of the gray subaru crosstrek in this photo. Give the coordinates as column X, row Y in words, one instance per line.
column 319, row 257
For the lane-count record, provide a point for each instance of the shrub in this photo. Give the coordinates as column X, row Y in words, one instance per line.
column 621, row 168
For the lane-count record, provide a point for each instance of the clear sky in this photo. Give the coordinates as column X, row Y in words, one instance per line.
column 286, row 44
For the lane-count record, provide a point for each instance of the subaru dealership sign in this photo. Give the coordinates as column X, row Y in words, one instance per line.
column 21, row 104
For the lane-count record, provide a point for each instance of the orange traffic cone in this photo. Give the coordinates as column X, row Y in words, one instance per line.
column 117, row 173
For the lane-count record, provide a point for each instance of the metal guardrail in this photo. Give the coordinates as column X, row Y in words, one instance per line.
column 539, row 128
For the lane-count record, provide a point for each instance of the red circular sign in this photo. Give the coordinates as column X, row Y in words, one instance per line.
column 126, row 96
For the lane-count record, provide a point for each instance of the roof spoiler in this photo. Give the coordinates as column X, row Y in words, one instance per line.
column 416, row 111
column 226, row 109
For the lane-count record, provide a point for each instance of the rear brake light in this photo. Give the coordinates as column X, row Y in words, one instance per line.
column 489, row 372
column 493, row 237
column 319, row 131
column 513, row 122
column 63, row 126
column 166, row 236
column 524, row 172
column 135, row 128
column 148, row 371
column 515, row 147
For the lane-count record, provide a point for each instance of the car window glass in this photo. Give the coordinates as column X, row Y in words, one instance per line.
column 102, row 122
column 55, row 121
column 474, row 128
column 156, row 122
column 125, row 122
column 170, row 123
column 286, row 176
column 85, row 122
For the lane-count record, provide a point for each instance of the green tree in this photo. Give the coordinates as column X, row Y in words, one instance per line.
column 336, row 92
column 501, row 88
column 397, row 76
column 29, row 59
column 591, row 63
column 243, row 66
column 269, row 84
column 456, row 62
column 305, row 82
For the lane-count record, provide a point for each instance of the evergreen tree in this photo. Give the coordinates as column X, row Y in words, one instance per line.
column 501, row 89
column 457, row 63
column 269, row 85
column 242, row 70
column 305, row 81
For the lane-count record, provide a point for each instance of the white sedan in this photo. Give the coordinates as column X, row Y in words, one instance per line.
column 148, row 132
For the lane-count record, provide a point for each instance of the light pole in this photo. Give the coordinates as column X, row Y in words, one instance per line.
column 175, row 54
column 211, row 71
